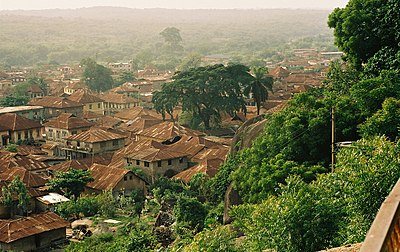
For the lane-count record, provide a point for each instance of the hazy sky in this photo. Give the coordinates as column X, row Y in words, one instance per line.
column 172, row 4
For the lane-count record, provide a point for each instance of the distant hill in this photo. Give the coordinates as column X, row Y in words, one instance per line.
column 115, row 33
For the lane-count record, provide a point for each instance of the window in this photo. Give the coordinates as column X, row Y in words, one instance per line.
column 57, row 134
column 146, row 164
column 50, row 133
column 74, row 132
column 90, row 106
column 78, row 143
column 115, row 142
column 137, row 162
column 125, row 178
column 26, row 134
column 19, row 135
column 98, row 105
column 181, row 160
column 130, row 177
column 159, row 163
column 169, row 162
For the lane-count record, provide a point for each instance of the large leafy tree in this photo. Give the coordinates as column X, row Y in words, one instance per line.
column 71, row 182
column 39, row 81
column 206, row 92
column 172, row 37
column 96, row 76
column 364, row 27
column 259, row 86
column 16, row 189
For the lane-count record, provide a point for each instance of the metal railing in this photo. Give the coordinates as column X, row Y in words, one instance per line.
column 384, row 234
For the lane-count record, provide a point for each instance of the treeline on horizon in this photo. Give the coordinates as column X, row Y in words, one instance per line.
column 122, row 34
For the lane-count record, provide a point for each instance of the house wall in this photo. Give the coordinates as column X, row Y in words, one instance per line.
column 86, row 149
column 35, row 133
column 96, row 107
column 54, row 112
column 153, row 170
column 33, row 242
column 129, row 183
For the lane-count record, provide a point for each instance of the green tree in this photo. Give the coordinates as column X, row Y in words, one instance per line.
column 364, row 27
column 193, row 60
column 259, row 86
column 385, row 121
column 39, row 81
column 125, row 76
column 172, row 37
column 16, row 188
column 191, row 212
column 72, row 182
column 207, row 91
column 96, row 76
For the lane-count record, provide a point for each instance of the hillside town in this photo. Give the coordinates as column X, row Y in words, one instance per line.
column 111, row 134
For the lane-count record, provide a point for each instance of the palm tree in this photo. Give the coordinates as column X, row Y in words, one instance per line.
column 259, row 86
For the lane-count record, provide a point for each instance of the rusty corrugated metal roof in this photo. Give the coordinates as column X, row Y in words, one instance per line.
column 118, row 98
column 16, row 229
column 152, row 154
column 68, row 121
column 168, row 130
column 106, row 177
column 207, row 166
column 30, row 179
column 54, row 102
column 95, row 135
column 10, row 159
column 15, row 122
column 84, row 96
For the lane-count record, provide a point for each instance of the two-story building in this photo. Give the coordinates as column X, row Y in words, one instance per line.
column 158, row 162
column 90, row 100
column 92, row 142
column 118, row 181
column 114, row 102
column 65, row 125
column 54, row 106
column 20, row 129
column 35, row 113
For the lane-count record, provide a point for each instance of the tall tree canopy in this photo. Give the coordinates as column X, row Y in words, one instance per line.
column 365, row 27
column 71, row 182
column 96, row 76
column 259, row 86
column 205, row 92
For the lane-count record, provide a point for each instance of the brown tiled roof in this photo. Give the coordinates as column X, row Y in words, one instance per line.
column 140, row 123
column 54, row 102
column 279, row 72
column 154, row 154
column 68, row 121
column 117, row 98
column 10, row 159
column 207, row 166
column 15, row 122
column 30, row 179
column 16, row 229
column 83, row 164
column 88, row 115
column 189, row 145
column 167, row 130
column 134, row 112
column 66, row 166
column 134, row 146
column 76, row 85
column 108, row 121
column 105, row 177
column 95, row 135
column 219, row 153
column 25, row 150
column 35, row 89
column 84, row 96
column 126, row 87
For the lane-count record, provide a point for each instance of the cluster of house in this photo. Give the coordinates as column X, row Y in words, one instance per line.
column 88, row 131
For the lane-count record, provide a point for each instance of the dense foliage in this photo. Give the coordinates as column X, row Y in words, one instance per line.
column 205, row 92
column 72, row 182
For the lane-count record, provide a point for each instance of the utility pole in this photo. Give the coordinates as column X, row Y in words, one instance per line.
column 333, row 139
